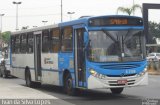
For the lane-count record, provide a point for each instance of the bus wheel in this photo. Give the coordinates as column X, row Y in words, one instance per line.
column 1, row 74
column 29, row 83
column 68, row 85
column 5, row 76
column 116, row 90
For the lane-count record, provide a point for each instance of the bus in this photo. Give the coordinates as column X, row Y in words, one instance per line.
column 100, row 52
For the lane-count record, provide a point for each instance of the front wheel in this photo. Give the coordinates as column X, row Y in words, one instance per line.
column 68, row 85
column 116, row 90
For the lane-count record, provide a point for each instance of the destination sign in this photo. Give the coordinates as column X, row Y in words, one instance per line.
column 116, row 21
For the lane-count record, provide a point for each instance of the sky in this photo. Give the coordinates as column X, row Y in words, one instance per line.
column 33, row 12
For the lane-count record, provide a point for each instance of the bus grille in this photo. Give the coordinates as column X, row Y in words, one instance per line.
column 114, row 83
column 121, row 76
column 120, row 66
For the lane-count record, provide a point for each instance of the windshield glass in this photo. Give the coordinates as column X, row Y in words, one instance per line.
column 115, row 46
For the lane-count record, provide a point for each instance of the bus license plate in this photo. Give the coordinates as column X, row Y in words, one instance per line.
column 122, row 81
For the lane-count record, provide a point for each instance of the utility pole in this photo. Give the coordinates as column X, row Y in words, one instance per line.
column 133, row 5
column 61, row 12
column 17, row 3
column 1, row 15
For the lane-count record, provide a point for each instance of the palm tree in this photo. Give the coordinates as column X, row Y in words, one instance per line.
column 129, row 11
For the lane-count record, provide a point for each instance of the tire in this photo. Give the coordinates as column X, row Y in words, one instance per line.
column 5, row 76
column 1, row 74
column 29, row 83
column 37, row 84
column 68, row 85
column 116, row 90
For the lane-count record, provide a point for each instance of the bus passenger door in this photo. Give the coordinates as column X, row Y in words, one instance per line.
column 79, row 57
column 37, row 55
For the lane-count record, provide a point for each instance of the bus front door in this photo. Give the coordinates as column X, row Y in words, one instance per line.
column 79, row 57
column 37, row 55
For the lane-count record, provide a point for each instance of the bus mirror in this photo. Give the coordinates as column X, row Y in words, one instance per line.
column 86, row 38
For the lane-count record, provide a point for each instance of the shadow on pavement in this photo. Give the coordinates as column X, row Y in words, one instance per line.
column 88, row 96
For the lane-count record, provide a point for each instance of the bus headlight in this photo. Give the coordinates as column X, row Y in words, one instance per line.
column 143, row 72
column 95, row 74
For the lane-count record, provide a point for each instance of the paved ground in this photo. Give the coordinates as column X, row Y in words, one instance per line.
column 15, row 88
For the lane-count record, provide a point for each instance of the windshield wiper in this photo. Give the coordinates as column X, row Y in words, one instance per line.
column 109, row 35
column 128, row 33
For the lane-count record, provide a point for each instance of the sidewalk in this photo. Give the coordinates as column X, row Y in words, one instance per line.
column 10, row 90
column 153, row 72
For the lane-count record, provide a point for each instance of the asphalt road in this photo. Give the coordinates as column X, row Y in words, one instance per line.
column 130, row 96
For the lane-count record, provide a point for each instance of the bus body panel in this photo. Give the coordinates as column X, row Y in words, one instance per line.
column 111, row 82
column 66, row 62
column 20, row 62
column 54, row 65
column 49, row 66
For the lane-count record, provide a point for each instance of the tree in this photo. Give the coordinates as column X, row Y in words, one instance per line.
column 129, row 11
column 154, row 32
column 6, row 36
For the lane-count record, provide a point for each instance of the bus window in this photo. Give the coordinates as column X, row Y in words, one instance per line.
column 17, row 44
column 13, row 44
column 24, row 43
column 55, row 40
column 30, row 43
column 67, row 39
column 45, row 41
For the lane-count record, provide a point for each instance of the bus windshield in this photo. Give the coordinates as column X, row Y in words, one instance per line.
column 115, row 46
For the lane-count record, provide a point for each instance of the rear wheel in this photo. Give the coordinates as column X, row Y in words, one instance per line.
column 68, row 85
column 29, row 83
column 1, row 74
column 5, row 76
column 116, row 90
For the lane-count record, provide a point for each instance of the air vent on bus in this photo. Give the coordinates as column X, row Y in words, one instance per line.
column 120, row 66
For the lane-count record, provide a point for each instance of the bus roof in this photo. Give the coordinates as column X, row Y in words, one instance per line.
column 35, row 29
column 83, row 20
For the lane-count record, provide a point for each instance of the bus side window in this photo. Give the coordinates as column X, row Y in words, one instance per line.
column 67, row 39
column 30, row 42
column 24, row 43
column 17, row 44
column 13, row 44
column 55, row 40
column 45, row 41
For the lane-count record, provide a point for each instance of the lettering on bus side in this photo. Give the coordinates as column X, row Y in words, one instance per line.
column 48, row 61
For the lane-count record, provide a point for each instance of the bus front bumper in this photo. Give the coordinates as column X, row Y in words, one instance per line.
column 111, row 82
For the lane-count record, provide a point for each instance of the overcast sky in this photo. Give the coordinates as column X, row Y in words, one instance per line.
column 32, row 12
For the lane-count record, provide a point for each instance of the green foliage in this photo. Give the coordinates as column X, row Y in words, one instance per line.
column 130, row 10
column 154, row 29
column 154, row 32
column 6, row 36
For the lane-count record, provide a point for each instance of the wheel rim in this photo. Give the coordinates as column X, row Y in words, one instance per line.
column 69, row 85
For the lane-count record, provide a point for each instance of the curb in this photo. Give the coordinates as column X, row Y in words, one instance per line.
column 154, row 73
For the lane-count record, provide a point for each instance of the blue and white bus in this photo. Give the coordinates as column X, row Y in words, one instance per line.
column 87, row 53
